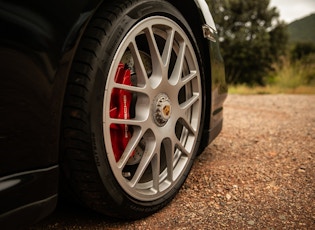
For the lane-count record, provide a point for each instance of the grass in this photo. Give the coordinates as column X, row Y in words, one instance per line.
column 288, row 78
column 271, row 89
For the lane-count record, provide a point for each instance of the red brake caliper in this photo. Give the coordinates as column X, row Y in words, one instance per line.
column 119, row 108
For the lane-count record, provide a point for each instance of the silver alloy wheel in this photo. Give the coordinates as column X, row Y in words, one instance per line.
column 167, row 103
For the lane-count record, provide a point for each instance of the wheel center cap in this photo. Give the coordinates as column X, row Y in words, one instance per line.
column 162, row 109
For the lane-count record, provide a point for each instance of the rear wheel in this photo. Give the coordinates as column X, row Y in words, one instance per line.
column 133, row 110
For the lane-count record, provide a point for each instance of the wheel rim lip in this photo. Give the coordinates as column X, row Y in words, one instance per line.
column 144, row 191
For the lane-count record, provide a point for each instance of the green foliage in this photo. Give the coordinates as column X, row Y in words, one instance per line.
column 302, row 50
column 251, row 36
column 291, row 74
column 302, row 30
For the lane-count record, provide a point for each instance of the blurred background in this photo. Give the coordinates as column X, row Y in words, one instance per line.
column 268, row 45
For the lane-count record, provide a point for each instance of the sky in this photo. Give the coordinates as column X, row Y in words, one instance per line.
column 291, row 10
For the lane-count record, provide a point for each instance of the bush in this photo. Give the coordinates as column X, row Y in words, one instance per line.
column 302, row 50
column 292, row 74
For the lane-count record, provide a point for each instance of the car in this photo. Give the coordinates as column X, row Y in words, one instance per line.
column 108, row 102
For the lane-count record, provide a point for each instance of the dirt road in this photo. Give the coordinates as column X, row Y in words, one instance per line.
column 258, row 174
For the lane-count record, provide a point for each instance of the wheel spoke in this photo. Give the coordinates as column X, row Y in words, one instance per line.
column 187, row 79
column 130, row 148
column 129, row 122
column 157, row 64
column 185, row 120
column 178, row 68
column 133, row 89
column 144, row 163
column 169, row 149
column 142, row 76
column 167, row 52
column 155, row 165
column 190, row 102
column 182, row 148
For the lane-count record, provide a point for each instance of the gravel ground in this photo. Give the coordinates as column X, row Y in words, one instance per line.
column 258, row 174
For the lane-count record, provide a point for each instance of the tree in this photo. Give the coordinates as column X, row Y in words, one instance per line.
column 252, row 38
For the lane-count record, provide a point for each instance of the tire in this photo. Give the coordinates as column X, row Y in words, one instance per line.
column 133, row 109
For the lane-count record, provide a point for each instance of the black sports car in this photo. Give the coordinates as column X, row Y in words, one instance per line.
column 109, row 100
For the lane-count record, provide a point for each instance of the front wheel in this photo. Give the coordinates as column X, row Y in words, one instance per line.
column 133, row 110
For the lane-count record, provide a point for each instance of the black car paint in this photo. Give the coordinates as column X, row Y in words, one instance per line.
column 37, row 42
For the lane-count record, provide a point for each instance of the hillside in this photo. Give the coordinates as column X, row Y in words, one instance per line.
column 302, row 30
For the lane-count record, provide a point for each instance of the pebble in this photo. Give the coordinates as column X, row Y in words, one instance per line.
column 251, row 222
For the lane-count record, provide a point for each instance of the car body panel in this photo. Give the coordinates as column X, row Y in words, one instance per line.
column 27, row 197
column 37, row 43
